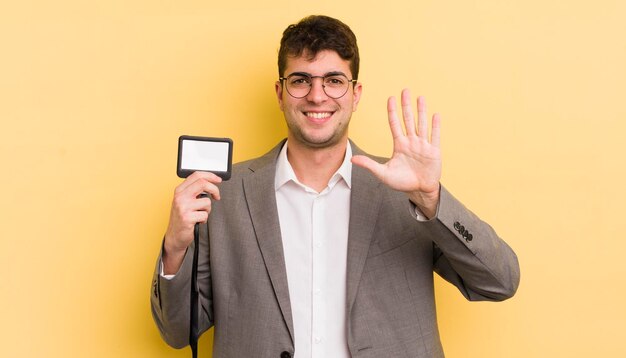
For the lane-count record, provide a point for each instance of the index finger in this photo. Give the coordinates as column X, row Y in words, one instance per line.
column 394, row 123
column 195, row 176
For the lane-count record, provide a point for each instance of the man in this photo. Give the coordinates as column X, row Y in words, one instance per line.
column 316, row 249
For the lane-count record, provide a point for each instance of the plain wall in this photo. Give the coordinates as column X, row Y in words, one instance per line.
column 94, row 94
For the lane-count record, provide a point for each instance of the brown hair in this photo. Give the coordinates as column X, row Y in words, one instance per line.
column 317, row 33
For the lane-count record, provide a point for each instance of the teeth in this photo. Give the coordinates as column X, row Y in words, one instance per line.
column 318, row 115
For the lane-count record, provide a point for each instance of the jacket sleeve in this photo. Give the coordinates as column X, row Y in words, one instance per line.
column 170, row 298
column 469, row 254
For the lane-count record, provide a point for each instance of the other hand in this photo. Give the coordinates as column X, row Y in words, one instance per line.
column 415, row 166
column 187, row 210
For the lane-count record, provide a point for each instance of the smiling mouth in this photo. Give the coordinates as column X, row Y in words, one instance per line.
column 318, row 115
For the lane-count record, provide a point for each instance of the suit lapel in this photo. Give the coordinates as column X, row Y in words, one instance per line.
column 364, row 206
column 260, row 195
column 261, row 198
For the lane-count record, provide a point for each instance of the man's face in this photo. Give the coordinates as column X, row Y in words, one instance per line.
column 318, row 121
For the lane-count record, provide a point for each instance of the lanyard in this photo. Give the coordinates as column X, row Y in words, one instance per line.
column 193, row 322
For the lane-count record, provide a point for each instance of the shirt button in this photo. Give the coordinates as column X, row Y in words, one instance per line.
column 318, row 291
column 318, row 340
column 318, row 244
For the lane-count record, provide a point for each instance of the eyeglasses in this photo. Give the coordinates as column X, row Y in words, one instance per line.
column 299, row 85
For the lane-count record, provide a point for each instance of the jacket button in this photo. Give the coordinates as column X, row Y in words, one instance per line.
column 285, row 354
column 457, row 225
column 469, row 237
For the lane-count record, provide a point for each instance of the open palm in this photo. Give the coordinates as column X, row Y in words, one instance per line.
column 415, row 166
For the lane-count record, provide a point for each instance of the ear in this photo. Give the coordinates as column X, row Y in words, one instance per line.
column 278, row 87
column 356, row 97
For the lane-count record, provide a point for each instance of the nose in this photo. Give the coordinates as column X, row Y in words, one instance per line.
column 317, row 94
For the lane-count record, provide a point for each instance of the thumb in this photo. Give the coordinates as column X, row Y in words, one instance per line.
column 373, row 166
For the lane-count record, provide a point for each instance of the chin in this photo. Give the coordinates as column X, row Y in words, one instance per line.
column 324, row 142
column 315, row 139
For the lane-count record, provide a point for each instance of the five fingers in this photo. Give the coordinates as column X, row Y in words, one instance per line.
column 409, row 120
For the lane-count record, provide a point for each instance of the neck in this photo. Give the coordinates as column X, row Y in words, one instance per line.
column 315, row 166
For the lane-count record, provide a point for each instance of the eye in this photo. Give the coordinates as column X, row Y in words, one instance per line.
column 299, row 81
column 335, row 80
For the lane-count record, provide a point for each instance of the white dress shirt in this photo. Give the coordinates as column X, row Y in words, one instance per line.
column 314, row 230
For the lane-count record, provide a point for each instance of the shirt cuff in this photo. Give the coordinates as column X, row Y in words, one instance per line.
column 167, row 277
column 419, row 215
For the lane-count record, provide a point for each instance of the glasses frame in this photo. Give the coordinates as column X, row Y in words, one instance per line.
column 301, row 74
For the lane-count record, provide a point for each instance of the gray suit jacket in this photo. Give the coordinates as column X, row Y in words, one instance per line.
column 390, row 301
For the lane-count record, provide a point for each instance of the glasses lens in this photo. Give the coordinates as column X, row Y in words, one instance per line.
column 299, row 86
column 336, row 86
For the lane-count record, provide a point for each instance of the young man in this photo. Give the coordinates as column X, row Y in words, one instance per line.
column 316, row 249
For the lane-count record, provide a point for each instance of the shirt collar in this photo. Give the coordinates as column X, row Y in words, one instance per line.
column 285, row 173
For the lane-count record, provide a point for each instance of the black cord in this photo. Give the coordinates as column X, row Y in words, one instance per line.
column 193, row 323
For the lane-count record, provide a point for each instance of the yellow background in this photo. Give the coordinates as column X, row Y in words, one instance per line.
column 94, row 94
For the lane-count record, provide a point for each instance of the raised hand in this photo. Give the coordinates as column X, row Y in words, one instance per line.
column 415, row 166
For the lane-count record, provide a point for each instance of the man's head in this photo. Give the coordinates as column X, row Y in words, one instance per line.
column 317, row 88
column 318, row 33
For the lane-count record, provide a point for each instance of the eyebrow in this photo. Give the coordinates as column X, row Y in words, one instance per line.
column 332, row 73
